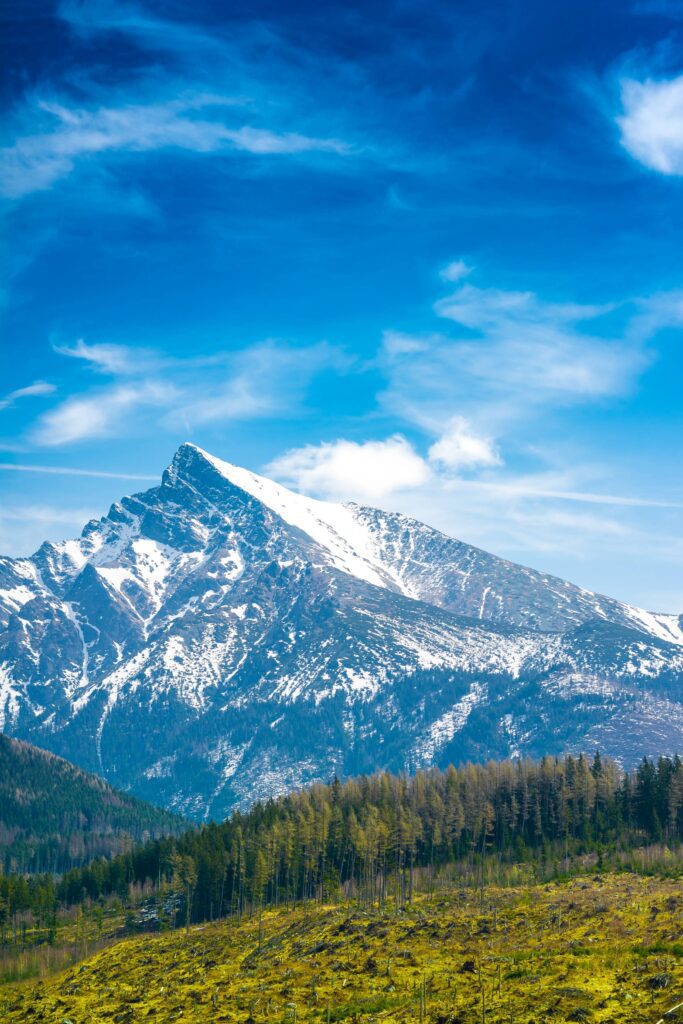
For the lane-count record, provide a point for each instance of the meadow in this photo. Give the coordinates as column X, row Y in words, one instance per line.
column 606, row 948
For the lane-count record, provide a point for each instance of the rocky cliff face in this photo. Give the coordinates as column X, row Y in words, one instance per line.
column 219, row 639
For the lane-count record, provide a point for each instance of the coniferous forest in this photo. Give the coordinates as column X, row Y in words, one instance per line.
column 54, row 816
column 374, row 838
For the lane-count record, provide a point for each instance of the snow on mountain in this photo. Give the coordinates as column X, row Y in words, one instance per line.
column 334, row 527
column 395, row 551
column 219, row 638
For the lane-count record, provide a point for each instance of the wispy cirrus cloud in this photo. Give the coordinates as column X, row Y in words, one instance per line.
column 91, row 18
column 193, row 91
column 262, row 380
column 539, row 346
column 512, row 355
column 36, row 161
column 101, row 414
column 23, row 467
column 114, row 360
column 39, row 388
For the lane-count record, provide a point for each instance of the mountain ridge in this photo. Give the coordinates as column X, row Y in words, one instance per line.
column 284, row 502
column 254, row 639
column 54, row 816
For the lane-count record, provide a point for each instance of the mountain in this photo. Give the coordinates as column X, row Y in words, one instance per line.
column 54, row 816
column 218, row 639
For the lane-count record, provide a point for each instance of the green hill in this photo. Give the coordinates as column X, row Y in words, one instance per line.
column 54, row 816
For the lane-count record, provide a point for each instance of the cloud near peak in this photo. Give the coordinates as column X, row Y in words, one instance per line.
column 373, row 470
column 367, row 471
column 460, row 448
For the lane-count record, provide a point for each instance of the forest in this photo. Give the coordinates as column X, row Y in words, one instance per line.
column 54, row 816
column 372, row 839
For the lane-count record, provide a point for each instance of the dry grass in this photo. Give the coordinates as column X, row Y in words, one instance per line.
column 601, row 950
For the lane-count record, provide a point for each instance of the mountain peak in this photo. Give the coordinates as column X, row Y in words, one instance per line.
column 187, row 456
column 336, row 528
column 191, row 459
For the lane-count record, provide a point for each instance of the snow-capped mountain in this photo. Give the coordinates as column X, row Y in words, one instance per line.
column 219, row 638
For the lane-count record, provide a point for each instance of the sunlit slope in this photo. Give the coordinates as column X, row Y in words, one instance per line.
column 596, row 950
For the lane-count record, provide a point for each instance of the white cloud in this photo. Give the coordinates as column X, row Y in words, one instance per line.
column 367, row 471
column 101, row 414
column 112, row 359
column 460, row 448
column 652, row 123
column 36, row 161
column 455, row 271
column 39, row 388
column 493, row 308
column 263, row 380
column 262, row 141
column 396, row 344
column 518, row 355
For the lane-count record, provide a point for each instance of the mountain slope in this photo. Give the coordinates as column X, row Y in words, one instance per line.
column 54, row 816
column 252, row 639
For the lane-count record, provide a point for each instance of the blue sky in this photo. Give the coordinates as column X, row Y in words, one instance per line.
column 423, row 255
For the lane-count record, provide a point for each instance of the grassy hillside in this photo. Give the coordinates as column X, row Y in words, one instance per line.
column 603, row 949
column 53, row 816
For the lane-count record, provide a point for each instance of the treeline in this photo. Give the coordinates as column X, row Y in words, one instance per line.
column 368, row 836
column 54, row 816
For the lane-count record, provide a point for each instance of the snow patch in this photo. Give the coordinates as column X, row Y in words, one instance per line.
column 664, row 627
column 115, row 576
column 16, row 596
column 9, row 698
column 444, row 728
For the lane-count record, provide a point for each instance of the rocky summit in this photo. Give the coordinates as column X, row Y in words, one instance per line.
column 219, row 639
